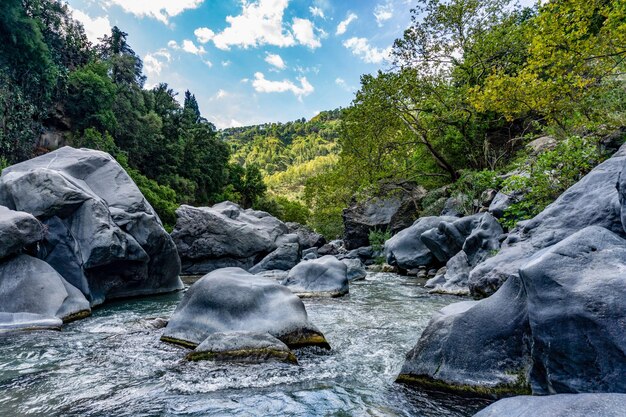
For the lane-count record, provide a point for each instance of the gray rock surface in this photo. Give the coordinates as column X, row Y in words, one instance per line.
column 285, row 257
column 103, row 236
column 593, row 201
column 34, row 295
column 477, row 347
column 306, row 236
column 323, row 277
column 17, row 230
column 406, row 250
column 561, row 405
column 224, row 235
column 395, row 207
column 232, row 299
column 576, row 292
column 242, row 346
column 356, row 269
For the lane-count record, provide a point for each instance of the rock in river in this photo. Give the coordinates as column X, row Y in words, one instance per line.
column 561, row 405
column 102, row 236
column 232, row 299
column 34, row 295
column 224, row 235
column 242, row 346
column 323, row 277
column 17, row 230
column 356, row 269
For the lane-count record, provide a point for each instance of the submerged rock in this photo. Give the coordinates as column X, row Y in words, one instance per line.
column 17, row 230
column 323, row 277
column 593, row 201
column 242, row 346
column 34, row 295
column 225, row 235
column 561, row 405
column 232, row 299
column 103, row 237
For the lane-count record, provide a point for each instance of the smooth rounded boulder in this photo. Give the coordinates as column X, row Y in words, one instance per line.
column 242, row 346
column 34, row 295
column 356, row 269
column 576, row 293
column 406, row 250
column 560, row 405
column 285, row 257
column 102, row 235
column 17, row 230
column 323, row 277
column 232, row 299
column 225, row 235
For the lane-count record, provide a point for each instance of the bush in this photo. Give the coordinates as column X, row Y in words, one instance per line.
column 550, row 175
column 284, row 209
column 377, row 240
column 470, row 187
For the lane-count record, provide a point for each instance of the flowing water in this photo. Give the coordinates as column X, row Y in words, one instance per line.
column 113, row 364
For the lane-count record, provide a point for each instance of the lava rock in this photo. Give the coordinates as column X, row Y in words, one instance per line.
column 394, row 208
column 103, row 236
column 476, row 347
column 335, row 247
column 232, row 299
column 576, row 291
column 242, row 346
column 17, row 230
column 285, row 257
column 356, row 269
column 593, row 201
column 224, row 235
column 306, row 236
column 561, row 405
column 406, row 250
column 34, row 295
column 323, row 277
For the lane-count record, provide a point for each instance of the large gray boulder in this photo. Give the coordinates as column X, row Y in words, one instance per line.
column 576, row 301
column 556, row 327
column 476, row 347
column 593, row 201
column 393, row 208
column 306, row 236
column 17, row 230
column 285, row 257
column 242, row 346
column 232, row 299
column 34, row 295
column 561, row 405
column 406, row 249
column 356, row 269
column 224, row 235
column 323, row 277
column 481, row 241
column 103, row 236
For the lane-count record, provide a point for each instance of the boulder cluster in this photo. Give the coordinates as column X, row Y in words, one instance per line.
column 552, row 318
column 76, row 231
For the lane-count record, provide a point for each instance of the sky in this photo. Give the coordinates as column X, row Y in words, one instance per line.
column 254, row 61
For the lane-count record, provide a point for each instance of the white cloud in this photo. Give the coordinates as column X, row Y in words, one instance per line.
column 361, row 48
column 343, row 25
column 343, row 84
column 94, row 27
column 153, row 64
column 204, row 34
column 226, row 63
column 276, row 61
column 383, row 12
column 221, row 94
column 317, row 12
column 304, row 32
column 173, row 45
column 190, row 47
column 262, row 85
column 160, row 10
column 259, row 23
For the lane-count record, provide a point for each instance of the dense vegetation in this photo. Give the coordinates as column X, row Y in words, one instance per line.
column 471, row 83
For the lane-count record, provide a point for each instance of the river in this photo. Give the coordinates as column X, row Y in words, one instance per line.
column 113, row 364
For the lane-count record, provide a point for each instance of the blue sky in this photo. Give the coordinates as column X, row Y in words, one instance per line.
column 255, row 61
